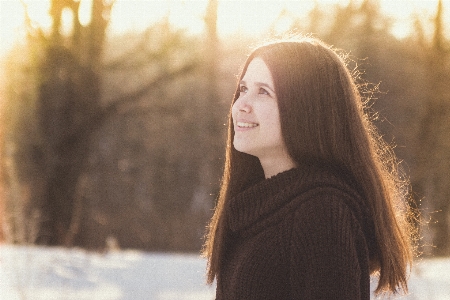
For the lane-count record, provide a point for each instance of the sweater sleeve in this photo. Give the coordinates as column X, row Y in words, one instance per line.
column 324, row 250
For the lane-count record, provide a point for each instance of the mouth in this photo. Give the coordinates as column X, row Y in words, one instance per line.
column 246, row 125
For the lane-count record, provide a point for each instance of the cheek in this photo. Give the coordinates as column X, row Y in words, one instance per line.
column 233, row 114
column 234, row 109
column 273, row 126
column 271, row 120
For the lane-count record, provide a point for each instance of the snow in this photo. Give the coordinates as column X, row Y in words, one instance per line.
column 58, row 273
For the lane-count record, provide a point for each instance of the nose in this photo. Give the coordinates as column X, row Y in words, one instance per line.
column 242, row 105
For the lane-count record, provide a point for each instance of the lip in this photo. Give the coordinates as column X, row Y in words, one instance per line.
column 244, row 125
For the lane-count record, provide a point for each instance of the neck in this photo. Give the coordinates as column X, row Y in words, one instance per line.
column 273, row 166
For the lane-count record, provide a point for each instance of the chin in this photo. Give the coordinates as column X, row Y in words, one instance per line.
column 242, row 148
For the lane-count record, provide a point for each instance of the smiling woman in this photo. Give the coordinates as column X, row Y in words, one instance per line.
column 256, row 120
column 307, row 207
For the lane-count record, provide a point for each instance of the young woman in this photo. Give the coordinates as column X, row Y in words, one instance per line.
column 310, row 203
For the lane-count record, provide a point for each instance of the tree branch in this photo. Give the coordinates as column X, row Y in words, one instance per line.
column 167, row 76
column 94, row 122
column 139, row 55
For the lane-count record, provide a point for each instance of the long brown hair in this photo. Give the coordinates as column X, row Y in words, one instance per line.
column 323, row 119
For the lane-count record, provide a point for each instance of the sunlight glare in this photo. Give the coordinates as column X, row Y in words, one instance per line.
column 39, row 13
column 283, row 23
column 250, row 17
column 136, row 15
column 188, row 15
column 10, row 24
column 402, row 12
column 66, row 22
column 85, row 12
column 84, row 16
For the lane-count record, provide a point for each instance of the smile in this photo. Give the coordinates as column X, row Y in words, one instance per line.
column 246, row 125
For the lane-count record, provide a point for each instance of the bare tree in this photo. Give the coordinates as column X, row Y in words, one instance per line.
column 70, row 109
column 212, row 139
column 433, row 143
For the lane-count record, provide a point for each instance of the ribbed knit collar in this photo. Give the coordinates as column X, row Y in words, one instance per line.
column 267, row 196
column 264, row 198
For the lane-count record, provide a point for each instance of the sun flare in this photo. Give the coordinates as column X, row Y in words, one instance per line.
column 246, row 16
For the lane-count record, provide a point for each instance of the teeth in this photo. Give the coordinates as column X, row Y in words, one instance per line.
column 247, row 125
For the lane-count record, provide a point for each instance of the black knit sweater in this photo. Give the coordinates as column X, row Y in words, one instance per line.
column 298, row 235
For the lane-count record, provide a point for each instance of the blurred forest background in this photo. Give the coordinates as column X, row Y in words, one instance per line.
column 118, row 140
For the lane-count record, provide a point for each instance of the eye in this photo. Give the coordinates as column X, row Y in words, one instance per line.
column 243, row 89
column 264, row 91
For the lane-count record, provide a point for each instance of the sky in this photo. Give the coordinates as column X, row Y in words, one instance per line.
column 248, row 16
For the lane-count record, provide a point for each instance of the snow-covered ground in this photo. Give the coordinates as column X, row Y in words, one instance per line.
column 54, row 273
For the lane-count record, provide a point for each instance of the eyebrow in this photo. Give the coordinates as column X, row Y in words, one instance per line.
column 258, row 84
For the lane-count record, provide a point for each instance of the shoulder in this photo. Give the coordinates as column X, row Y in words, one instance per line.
column 327, row 247
column 328, row 199
column 333, row 212
column 329, row 194
column 326, row 211
column 329, row 218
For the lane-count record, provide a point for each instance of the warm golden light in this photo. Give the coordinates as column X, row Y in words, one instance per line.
column 249, row 17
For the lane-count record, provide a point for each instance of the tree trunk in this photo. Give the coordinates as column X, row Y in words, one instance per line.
column 212, row 163
column 69, row 99
column 433, row 144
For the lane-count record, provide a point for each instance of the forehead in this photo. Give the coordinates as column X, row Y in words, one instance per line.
column 257, row 70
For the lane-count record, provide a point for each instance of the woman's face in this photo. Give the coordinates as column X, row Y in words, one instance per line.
column 256, row 119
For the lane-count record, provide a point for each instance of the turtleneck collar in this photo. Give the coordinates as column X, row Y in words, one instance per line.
column 269, row 195
column 263, row 198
